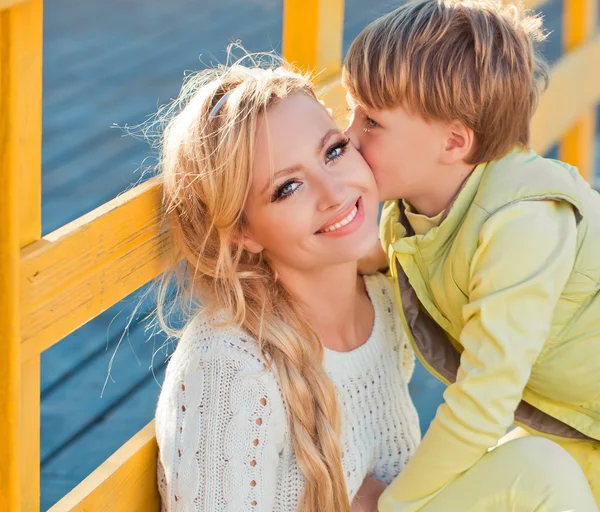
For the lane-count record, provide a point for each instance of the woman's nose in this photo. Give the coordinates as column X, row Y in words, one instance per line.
column 332, row 193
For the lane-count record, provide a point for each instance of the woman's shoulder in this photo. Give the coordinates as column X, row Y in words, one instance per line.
column 211, row 339
column 208, row 347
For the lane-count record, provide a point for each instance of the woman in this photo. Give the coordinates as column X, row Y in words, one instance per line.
column 289, row 387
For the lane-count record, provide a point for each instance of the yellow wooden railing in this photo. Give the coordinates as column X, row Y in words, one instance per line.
column 50, row 286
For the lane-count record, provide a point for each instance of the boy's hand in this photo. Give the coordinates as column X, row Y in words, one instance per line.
column 367, row 496
column 375, row 261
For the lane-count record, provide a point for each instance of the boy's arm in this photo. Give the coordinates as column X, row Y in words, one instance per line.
column 524, row 258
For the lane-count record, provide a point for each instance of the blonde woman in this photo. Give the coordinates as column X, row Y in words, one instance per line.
column 288, row 388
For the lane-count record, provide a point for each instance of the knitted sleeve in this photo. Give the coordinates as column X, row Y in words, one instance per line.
column 219, row 428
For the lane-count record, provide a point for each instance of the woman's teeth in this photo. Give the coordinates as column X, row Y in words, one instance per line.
column 343, row 222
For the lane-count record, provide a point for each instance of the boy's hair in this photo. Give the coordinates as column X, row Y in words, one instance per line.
column 468, row 60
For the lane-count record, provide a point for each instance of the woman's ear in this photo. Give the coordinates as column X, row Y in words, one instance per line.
column 459, row 143
column 250, row 244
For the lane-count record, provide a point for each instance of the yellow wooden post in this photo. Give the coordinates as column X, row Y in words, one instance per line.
column 10, row 374
column 577, row 147
column 20, row 218
column 312, row 35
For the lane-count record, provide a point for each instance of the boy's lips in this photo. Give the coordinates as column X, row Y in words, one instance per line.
column 342, row 220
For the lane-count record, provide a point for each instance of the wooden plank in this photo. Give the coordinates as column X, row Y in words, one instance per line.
column 124, row 483
column 10, row 374
column 7, row 4
column 312, row 35
column 577, row 147
column 29, row 126
column 30, row 435
column 20, row 163
column 80, row 270
column 574, row 88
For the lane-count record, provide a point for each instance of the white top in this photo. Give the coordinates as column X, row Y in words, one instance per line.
column 221, row 424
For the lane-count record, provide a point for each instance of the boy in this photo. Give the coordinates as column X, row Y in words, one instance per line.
column 495, row 250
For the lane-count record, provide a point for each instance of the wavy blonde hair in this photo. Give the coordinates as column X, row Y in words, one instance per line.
column 206, row 155
column 469, row 60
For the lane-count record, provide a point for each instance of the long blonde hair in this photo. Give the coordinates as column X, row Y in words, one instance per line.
column 206, row 159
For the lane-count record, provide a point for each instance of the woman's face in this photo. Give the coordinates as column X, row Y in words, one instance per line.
column 313, row 201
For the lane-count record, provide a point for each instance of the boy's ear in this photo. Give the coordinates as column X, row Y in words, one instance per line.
column 459, row 143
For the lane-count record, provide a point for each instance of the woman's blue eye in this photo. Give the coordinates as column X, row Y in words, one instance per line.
column 334, row 153
column 337, row 150
column 289, row 188
column 285, row 190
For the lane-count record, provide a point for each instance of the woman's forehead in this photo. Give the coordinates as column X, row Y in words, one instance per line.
column 296, row 124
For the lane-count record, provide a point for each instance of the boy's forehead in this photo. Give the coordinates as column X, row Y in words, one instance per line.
column 354, row 104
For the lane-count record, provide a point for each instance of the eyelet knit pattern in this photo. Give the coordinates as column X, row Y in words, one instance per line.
column 221, row 424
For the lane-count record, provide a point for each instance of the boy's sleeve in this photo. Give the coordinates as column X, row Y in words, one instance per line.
column 525, row 255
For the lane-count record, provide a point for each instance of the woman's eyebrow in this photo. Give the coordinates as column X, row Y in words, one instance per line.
column 325, row 138
column 281, row 172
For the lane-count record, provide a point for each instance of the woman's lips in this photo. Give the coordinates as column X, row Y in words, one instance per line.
column 346, row 222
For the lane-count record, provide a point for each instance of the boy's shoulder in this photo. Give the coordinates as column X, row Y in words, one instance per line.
column 525, row 175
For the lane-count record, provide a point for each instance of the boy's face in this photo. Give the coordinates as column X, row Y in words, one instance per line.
column 402, row 149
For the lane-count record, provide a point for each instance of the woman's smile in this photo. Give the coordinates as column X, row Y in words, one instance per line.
column 348, row 221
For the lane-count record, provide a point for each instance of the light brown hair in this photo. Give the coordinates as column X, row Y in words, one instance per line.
column 468, row 60
column 206, row 158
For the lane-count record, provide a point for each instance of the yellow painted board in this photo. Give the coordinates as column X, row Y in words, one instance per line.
column 578, row 145
column 574, row 89
column 7, row 4
column 126, row 482
column 30, row 435
column 312, row 35
column 20, row 161
column 77, row 272
column 25, row 75
column 9, row 265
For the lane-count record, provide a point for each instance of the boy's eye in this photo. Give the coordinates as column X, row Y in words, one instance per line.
column 285, row 190
column 370, row 123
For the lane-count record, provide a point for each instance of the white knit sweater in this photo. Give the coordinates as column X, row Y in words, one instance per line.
column 221, row 424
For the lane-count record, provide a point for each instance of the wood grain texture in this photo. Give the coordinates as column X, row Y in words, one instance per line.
column 77, row 272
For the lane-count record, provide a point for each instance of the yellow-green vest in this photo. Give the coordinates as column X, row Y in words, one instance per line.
column 562, row 397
